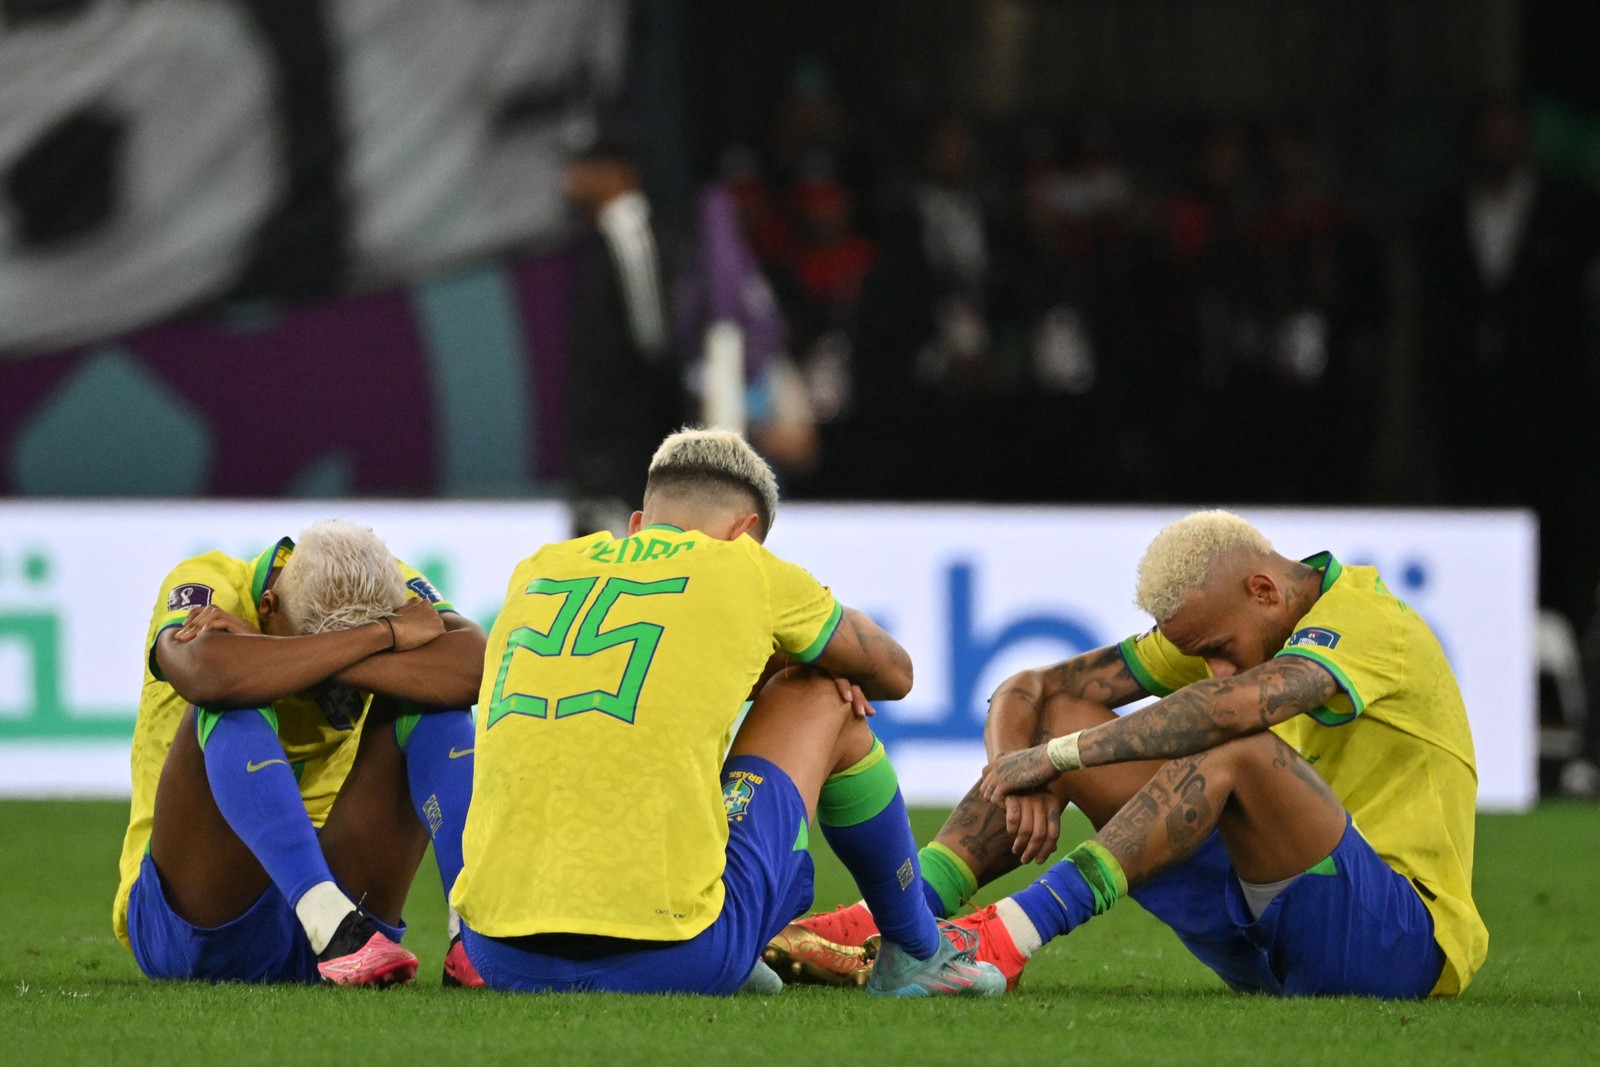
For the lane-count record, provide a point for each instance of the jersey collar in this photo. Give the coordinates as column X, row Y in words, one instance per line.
column 266, row 563
column 663, row 526
column 1330, row 568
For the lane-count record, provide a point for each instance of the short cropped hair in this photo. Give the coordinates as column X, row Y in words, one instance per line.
column 697, row 459
column 339, row 576
column 1183, row 555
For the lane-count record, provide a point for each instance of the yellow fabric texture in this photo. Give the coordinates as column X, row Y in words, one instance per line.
column 324, row 741
column 597, row 807
column 1393, row 745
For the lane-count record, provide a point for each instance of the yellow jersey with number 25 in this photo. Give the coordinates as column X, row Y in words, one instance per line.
column 611, row 683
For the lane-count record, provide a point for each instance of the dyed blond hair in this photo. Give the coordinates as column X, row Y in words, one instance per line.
column 702, row 460
column 339, row 576
column 1183, row 556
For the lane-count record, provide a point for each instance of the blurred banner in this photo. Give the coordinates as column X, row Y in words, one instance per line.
column 159, row 155
column 974, row 593
column 317, row 205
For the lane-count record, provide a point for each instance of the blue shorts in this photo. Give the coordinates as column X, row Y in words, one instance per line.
column 1359, row 930
column 265, row 944
column 767, row 883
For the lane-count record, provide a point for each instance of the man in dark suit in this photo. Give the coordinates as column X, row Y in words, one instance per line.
column 625, row 383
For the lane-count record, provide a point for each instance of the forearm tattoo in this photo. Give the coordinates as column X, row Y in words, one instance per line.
column 979, row 827
column 1202, row 715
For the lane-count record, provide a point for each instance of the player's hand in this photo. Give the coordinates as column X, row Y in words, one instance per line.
column 415, row 624
column 1034, row 822
column 211, row 617
column 1023, row 771
column 851, row 694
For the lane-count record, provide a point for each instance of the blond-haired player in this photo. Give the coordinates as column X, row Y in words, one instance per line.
column 610, row 845
column 1298, row 807
column 285, row 694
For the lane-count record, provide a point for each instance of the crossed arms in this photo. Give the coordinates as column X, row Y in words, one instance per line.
column 218, row 660
column 1195, row 718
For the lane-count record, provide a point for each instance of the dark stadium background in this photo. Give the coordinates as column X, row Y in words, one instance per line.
column 1177, row 253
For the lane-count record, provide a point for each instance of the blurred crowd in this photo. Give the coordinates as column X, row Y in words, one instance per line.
column 1060, row 311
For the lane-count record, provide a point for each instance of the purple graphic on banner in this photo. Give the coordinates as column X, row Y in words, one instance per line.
column 344, row 384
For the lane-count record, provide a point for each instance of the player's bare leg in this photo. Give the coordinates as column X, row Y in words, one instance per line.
column 373, row 839
column 399, row 794
column 1277, row 819
column 981, row 845
column 1276, row 815
column 801, row 723
column 209, row 875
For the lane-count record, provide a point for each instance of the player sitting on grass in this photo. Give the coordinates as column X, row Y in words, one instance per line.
column 255, row 728
column 1311, row 829
column 604, row 849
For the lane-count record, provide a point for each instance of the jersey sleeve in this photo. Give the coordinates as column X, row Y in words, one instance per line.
column 1352, row 641
column 419, row 588
column 194, row 583
column 1158, row 666
column 804, row 612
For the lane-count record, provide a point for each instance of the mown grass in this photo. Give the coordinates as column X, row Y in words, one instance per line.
column 1120, row 990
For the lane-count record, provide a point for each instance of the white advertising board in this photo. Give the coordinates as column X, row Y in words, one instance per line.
column 974, row 593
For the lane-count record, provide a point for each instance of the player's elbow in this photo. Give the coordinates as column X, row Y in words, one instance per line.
column 898, row 681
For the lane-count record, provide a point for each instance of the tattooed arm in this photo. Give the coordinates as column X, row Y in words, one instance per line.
column 1101, row 676
column 860, row 651
column 1195, row 718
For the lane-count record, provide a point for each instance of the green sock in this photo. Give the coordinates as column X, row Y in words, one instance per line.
column 947, row 882
column 1103, row 873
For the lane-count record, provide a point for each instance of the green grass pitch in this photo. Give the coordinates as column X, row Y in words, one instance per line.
column 1119, row 991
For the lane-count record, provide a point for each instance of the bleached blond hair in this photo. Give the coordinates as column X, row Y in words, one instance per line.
column 1183, row 556
column 703, row 460
column 339, row 576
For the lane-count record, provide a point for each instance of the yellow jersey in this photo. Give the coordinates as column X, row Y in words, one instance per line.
column 1393, row 743
column 611, row 683
column 319, row 734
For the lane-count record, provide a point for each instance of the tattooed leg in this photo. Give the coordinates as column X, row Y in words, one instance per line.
column 1277, row 816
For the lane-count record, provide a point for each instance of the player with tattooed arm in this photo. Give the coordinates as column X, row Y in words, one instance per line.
column 1298, row 807
column 610, row 845
column 302, row 735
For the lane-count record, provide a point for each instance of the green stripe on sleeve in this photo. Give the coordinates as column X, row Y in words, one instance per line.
column 814, row 649
column 1326, row 716
column 155, row 668
column 1146, row 680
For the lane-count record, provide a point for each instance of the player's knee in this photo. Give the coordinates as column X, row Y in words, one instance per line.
column 797, row 680
column 1244, row 756
column 804, row 688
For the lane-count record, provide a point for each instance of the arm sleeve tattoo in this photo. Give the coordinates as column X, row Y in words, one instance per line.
column 1203, row 715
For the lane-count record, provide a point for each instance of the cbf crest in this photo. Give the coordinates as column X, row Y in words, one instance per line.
column 737, row 793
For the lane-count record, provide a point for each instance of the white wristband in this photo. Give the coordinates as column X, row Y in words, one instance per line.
column 1063, row 752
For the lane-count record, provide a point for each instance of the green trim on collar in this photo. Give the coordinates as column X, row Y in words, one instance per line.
column 1330, row 568
column 264, row 565
column 663, row 526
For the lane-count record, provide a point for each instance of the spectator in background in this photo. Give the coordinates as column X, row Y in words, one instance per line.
column 1507, row 374
column 1217, row 300
column 1322, row 308
column 625, row 381
column 924, row 352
